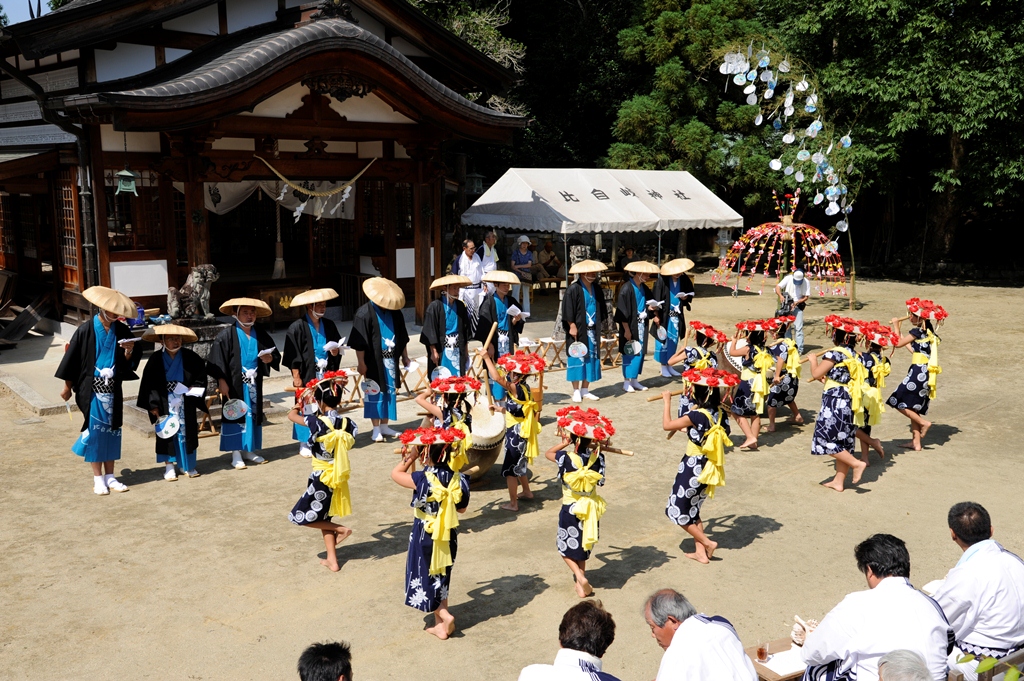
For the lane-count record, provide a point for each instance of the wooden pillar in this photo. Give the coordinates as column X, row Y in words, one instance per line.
column 421, row 224
column 438, row 192
column 198, row 225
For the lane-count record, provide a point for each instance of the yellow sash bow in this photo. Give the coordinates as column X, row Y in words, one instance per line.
column 758, row 377
column 529, row 424
column 336, row 472
column 440, row 526
column 705, row 360
column 578, row 491
column 712, row 449
column 792, row 358
column 855, row 388
column 459, row 457
column 880, row 370
column 932, row 360
column 872, row 398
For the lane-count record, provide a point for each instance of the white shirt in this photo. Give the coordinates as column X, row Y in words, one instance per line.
column 570, row 665
column 868, row 624
column 983, row 597
column 794, row 289
column 703, row 649
column 471, row 267
column 489, row 259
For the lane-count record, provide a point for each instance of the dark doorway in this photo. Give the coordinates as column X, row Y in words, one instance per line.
column 242, row 241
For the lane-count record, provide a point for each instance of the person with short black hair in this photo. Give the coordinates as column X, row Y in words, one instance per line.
column 866, row 625
column 586, row 632
column 328, row 661
column 903, row 665
column 983, row 595
column 697, row 647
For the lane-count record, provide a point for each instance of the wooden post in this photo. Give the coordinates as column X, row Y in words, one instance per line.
column 199, row 228
column 421, row 225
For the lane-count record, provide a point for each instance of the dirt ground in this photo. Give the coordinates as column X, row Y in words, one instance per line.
column 206, row 578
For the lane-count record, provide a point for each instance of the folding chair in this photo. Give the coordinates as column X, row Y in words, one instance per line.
column 206, row 420
column 612, row 356
column 554, row 345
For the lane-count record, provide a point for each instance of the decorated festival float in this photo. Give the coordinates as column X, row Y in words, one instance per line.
column 813, row 158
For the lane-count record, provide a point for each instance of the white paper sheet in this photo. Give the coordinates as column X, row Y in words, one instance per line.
column 266, row 352
column 786, row 662
column 199, row 391
column 513, row 311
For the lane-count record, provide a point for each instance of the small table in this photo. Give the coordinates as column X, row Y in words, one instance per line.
column 765, row 674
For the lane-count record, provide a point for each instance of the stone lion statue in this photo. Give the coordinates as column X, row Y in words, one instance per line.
column 193, row 299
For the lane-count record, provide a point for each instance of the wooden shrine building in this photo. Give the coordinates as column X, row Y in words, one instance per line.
column 188, row 94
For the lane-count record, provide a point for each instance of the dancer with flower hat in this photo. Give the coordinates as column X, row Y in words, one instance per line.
column 786, row 383
column 878, row 367
column 581, row 469
column 331, row 436
column 841, row 401
column 748, row 401
column 451, row 409
column 522, row 424
column 702, row 467
column 701, row 355
column 439, row 494
column 915, row 393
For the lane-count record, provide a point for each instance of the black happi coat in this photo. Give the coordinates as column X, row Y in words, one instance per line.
column 79, row 366
column 366, row 338
column 434, row 331
column 153, row 395
column 299, row 352
column 626, row 314
column 574, row 310
column 489, row 315
column 663, row 292
column 225, row 362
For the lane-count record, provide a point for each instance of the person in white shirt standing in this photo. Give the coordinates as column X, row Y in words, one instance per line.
column 797, row 290
column 470, row 266
column 697, row 647
column 489, row 258
column 867, row 625
column 983, row 595
column 586, row 631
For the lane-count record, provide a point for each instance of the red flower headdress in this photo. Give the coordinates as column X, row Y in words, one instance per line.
column 709, row 331
column 455, row 384
column 758, row 325
column 847, row 324
column 926, row 309
column 522, row 362
column 712, row 378
column 331, row 377
column 430, row 436
column 586, row 423
column 874, row 332
column 784, row 319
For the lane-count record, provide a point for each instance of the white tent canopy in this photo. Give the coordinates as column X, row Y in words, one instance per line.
column 582, row 200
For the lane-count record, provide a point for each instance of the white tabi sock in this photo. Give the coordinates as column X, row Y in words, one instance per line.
column 627, row 386
column 577, row 395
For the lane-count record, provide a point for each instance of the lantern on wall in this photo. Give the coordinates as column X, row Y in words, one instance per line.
column 126, row 180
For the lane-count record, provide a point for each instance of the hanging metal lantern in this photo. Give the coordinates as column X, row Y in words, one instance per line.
column 126, row 180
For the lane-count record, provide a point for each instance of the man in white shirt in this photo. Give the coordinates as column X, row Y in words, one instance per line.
column 489, row 257
column 983, row 595
column 586, row 631
column 890, row 615
column 697, row 647
column 471, row 266
column 796, row 287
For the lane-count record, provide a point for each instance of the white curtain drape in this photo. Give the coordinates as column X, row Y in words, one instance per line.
column 224, row 197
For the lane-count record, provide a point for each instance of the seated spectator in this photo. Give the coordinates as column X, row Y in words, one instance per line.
column 326, row 662
column 549, row 265
column 626, row 259
column 890, row 615
column 903, row 665
column 584, row 635
column 697, row 647
column 983, row 595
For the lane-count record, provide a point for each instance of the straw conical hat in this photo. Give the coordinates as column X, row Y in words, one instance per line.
column 449, row 280
column 584, row 266
column 111, row 300
column 677, row 266
column 501, row 277
column 317, row 295
column 262, row 309
column 384, row 292
column 643, row 267
column 157, row 332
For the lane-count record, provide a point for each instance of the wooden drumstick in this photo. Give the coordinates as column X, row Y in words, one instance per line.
column 615, row 450
column 487, row 343
column 671, row 394
column 817, row 354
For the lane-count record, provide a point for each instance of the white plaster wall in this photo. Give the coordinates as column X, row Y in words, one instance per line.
column 368, row 23
column 246, row 13
column 123, row 61
column 235, row 144
column 368, row 109
column 113, row 140
column 203, row 21
column 139, row 278
column 281, row 104
column 297, row 146
column 405, row 262
column 342, row 148
column 407, row 48
column 371, row 149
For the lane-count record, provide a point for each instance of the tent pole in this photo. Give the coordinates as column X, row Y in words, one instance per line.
column 565, row 260
column 659, row 249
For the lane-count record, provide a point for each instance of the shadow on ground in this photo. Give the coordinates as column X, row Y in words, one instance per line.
column 498, row 597
column 737, row 531
column 620, row 564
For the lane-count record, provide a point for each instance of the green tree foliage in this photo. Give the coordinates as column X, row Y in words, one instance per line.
column 57, row 4
column 3, row 16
